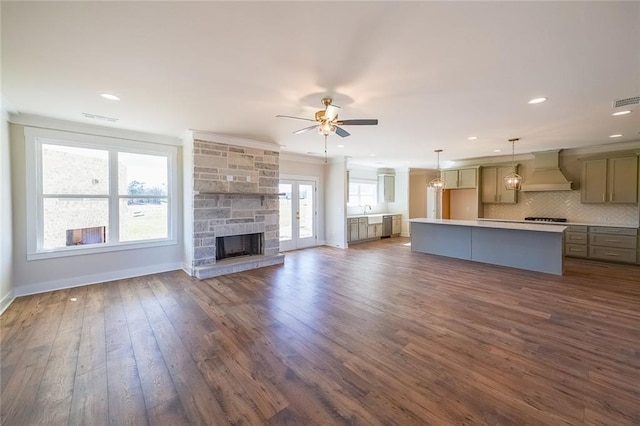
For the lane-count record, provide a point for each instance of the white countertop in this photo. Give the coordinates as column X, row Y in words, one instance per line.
column 373, row 215
column 527, row 226
column 559, row 223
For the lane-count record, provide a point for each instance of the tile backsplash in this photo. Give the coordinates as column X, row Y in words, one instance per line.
column 564, row 204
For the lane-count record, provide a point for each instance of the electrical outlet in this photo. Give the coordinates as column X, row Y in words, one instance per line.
column 229, row 178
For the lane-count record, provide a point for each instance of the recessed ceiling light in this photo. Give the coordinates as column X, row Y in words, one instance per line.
column 625, row 112
column 472, row 138
column 110, row 96
column 537, row 100
column 372, row 155
column 617, row 135
column 340, row 146
column 497, row 150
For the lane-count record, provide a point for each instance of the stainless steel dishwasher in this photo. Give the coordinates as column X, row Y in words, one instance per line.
column 387, row 226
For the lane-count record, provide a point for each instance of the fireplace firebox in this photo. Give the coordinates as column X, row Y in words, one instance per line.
column 239, row 245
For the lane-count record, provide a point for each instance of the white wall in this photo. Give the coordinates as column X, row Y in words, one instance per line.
column 187, row 200
column 6, row 226
column 335, row 203
column 300, row 167
column 49, row 274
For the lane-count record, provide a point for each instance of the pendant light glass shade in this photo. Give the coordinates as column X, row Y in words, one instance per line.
column 513, row 181
column 438, row 183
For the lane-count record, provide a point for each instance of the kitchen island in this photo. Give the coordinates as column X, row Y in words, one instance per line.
column 518, row 245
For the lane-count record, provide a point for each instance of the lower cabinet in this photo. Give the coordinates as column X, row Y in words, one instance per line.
column 353, row 230
column 359, row 229
column 396, row 225
column 602, row 242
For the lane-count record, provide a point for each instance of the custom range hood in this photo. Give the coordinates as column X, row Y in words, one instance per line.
column 546, row 175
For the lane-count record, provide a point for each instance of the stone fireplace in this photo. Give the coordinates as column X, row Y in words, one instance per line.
column 236, row 209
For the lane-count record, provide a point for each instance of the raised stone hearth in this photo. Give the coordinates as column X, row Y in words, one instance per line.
column 235, row 193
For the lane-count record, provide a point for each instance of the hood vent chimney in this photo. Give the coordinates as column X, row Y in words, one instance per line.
column 546, row 175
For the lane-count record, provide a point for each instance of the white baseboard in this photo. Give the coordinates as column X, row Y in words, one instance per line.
column 335, row 244
column 7, row 301
column 187, row 269
column 94, row 279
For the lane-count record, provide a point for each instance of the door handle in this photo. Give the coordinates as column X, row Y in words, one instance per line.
column 298, row 215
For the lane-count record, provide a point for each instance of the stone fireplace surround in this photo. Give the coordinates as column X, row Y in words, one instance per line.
column 235, row 193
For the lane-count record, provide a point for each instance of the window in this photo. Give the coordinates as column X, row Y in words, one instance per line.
column 92, row 193
column 363, row 192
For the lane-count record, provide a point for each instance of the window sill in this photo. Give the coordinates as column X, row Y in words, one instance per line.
column 97, row 249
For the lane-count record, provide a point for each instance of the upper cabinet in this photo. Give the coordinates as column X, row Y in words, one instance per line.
column 493, row 189
column 386, row 188
column 610, row 180
column 461, row 178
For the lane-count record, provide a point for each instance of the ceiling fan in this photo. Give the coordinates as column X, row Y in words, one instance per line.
column 327, row 123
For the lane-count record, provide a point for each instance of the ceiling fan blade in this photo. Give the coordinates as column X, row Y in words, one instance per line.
column 359, row 122
column 297, row 132
column 342, row 132
column 294, row 118
column 331, row 112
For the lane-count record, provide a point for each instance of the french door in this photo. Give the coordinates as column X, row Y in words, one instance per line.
column 297, row 214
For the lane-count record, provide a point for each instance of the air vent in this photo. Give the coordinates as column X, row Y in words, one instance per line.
column 635, row 100
column 100, row 117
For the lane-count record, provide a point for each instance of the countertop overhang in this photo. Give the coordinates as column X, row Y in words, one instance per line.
column 498, row 225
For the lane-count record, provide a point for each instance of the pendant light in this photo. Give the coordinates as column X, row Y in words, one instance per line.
column 438, row 183
column 513, row 180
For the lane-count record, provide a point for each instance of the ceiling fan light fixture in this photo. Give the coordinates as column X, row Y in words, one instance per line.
column 326, row 128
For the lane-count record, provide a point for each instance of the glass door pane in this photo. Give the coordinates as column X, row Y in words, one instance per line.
column 305, row 211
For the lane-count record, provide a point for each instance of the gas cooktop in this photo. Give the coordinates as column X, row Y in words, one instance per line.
column 546, row 219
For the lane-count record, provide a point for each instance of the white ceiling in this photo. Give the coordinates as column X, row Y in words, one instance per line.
column 433, row 73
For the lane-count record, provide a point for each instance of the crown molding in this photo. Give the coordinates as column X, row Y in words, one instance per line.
column 37, row 121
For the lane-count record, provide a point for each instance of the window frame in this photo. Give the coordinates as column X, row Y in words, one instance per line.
column 36, row 137
column 362, row 182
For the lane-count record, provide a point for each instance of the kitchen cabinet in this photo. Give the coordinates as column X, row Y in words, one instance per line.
column 492, row 186
column 386, row 188
column 357, row 229
column 576, row 241
column 602, row 243
column 396, row 225
column 353, row 230
column 363, row 223
column 610, row 180
column 374, row 231
column 461, row 178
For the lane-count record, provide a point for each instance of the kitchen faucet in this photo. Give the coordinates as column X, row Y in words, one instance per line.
column 365, row 208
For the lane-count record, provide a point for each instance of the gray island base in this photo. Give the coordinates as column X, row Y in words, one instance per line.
column 519, row 245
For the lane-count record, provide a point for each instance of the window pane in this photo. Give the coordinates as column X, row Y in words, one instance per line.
column 143, row 219
column 72, row 170
column 76, row 215
column 142, row 174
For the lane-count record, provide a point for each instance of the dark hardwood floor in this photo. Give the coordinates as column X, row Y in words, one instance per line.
column 370, row 335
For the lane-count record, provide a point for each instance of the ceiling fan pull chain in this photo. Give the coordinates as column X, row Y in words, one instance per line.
column 325, row 149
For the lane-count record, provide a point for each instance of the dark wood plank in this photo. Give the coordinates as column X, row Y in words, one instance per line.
column 374, row 334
